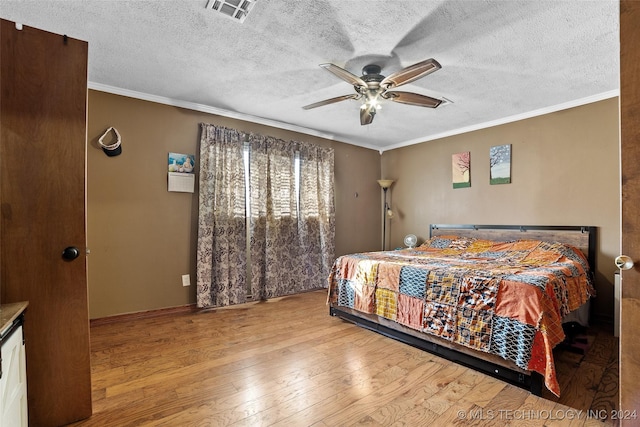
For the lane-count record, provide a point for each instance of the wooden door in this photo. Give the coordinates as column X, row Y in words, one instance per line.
column 630, row 157
column 43, row 95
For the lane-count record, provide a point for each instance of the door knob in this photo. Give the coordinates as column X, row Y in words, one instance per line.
column 623, row 262
column 70, row 253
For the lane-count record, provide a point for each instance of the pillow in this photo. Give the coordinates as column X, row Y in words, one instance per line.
column 448, row 242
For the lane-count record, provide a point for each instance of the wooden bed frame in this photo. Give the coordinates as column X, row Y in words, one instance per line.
column 582, row 237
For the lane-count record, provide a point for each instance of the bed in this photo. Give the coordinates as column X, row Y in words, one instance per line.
column 493, row 298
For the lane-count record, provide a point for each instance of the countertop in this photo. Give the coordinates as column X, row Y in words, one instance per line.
column 9, row 313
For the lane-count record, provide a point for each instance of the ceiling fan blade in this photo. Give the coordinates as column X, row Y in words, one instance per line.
column 331, row 101
column 411, row 73
column 413, row 99
column 367, row 112
column 345, row 75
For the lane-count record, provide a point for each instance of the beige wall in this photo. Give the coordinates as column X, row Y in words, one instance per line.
column 142, row 238
column 565, row 171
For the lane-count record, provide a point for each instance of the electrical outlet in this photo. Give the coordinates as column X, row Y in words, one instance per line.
column 186, row 280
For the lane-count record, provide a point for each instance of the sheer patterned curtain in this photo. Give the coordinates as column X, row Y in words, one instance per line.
column 291, row 217
column 292, row 239
column 316, row 221
column 221, row 252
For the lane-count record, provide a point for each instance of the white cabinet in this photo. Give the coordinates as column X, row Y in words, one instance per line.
column 13, row 383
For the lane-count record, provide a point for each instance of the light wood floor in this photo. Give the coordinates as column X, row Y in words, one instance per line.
column 286, row 362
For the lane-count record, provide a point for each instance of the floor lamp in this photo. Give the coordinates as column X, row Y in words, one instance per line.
column 386, row 211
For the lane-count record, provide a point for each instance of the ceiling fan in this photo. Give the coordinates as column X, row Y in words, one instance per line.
column 372, row 87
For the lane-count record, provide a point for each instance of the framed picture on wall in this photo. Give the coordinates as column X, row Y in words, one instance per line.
column 182, row 163
column 461, row 169
column 500, row 164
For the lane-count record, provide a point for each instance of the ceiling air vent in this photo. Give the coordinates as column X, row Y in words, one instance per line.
column 235, row 9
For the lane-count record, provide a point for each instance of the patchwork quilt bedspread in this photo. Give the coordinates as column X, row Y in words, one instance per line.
column 503, row 298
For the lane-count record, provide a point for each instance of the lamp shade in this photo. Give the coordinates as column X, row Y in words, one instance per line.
column 385, row 183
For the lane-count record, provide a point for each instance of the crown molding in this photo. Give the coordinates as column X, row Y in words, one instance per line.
column 293, row 128
column 517, row 117
column 209, row 110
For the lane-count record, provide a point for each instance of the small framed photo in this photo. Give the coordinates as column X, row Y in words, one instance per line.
column 500, row 164
column 181, row 163
column 461, row 169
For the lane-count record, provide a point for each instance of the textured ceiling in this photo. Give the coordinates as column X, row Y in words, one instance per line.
column 501, row 60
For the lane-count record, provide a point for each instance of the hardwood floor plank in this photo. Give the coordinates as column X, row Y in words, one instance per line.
column 606, row 396
column 287, row 362
column 603, row 347
column 386, row 384
column 249, row 355
column 283, row 398
column 502, row 405
column 453, row 392
column 314, row 391
column 535, row 411
column 410, row 397
column 579, row 393
column 484, row 390
column 418, row 417
column 349, row 388
column 451, row 416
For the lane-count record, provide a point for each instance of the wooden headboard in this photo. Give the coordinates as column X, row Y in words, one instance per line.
column 582, row 237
